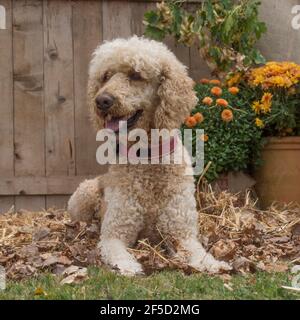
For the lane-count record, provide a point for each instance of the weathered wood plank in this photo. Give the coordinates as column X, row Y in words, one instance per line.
column 30, row 203
column 137, row 15
column 57, row 202
column 59, row 91
column 28, row 93
column 281, row 42
column 6, row 103
column 87, row 35
column 123, row 18
column 7, row 203
column 181, row 52
column 116, row 19
column 53, row 185
column 153, row 1
column 198, row 68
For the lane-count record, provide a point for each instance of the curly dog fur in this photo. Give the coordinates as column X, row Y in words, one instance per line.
column 142, row 199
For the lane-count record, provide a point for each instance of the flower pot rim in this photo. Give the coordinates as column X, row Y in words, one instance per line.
column 284, row 140
column 285, row 143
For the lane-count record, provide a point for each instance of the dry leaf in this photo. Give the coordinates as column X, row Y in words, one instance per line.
column 77, row 276
column 296, row 230
column 64, row 260
column 228, row 286
column 230, row 226
column 41, row 234
column 70, row 270
column 50, row 261
column 224, row 249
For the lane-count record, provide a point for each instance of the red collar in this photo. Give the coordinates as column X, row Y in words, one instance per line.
column 164, row 148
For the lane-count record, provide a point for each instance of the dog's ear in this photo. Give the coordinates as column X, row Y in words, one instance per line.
column 92, row 90
column 177, row 97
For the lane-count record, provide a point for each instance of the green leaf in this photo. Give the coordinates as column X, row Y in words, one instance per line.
column 151, row 17
column 228, row 25
column 258, row 57
column 209, row 10
column 154, row 33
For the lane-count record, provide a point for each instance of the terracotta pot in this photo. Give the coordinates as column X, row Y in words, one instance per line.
column 279, row 177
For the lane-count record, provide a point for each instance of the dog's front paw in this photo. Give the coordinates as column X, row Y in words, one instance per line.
column 129, row 268
column 211, row 265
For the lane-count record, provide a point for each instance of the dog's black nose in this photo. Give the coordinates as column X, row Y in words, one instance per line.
column 105, row 101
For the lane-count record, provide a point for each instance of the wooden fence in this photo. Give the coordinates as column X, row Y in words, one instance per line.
column 47, row 145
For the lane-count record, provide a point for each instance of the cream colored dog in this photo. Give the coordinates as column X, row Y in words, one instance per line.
column 141, row 82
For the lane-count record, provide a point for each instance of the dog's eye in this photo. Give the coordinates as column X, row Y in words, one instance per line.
column 135, row 76
column 106, row 76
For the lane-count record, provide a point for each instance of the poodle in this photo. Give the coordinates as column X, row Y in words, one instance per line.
column 141, row 82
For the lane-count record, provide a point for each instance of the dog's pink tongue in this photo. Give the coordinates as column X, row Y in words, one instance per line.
column 112, row 125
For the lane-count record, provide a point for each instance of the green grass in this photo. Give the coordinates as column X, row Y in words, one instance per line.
column 164, row 285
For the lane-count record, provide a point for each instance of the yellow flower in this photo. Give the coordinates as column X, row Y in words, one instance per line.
column 275, row 74
column 266, row 107
column 279, row 81
column 266, row 102
column 259, row 123
column 267, row 97
column 234, row 80
column 256, row 107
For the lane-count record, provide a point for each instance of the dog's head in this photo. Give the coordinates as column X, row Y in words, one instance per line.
column 141, row 82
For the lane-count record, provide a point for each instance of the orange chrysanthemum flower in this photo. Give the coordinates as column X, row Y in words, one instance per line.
column 227, row 115
column 208, row 101
column 199, row 117
column 234, row 90
column 217, row 91
column 215, row 82
column 204, row 137
column 190, row 122
column 204, row 81
column 222, row 102
column 266, row 102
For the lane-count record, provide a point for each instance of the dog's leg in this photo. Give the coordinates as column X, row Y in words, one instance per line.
column 179, row 220
column 122, row 222
column 199, row 258
column 114, row 253
column 86, row 201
